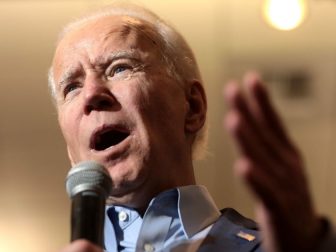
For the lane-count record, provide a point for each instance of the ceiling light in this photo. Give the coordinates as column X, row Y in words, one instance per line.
column 284, row 14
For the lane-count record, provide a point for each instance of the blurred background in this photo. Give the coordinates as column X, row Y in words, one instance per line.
column 228, row 37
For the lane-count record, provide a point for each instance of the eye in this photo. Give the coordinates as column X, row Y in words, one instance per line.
column 70, row 88
column 118, row 69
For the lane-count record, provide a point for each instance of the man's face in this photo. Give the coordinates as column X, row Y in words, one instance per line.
column 118, row 106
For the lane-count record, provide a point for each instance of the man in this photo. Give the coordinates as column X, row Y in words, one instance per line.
column 129, row 95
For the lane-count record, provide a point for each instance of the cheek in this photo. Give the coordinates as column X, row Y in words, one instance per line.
column 166, row 104
column 134, row 98
column 164, row 119
column 68, row 126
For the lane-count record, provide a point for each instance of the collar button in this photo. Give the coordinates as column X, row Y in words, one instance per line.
column 149, row 247
column 123, row 216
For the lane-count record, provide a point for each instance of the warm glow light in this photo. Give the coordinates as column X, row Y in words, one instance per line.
column 285, row 14
column 23, row 233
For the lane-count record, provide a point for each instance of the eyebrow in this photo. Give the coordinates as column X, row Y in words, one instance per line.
column 73, row 72
column 69, row 74
column 126, row 54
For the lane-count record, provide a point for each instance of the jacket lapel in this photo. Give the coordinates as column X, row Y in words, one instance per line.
column 228, row 236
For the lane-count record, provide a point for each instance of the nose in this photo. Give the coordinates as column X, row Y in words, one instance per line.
column 97, row 96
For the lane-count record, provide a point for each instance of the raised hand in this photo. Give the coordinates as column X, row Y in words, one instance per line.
column 272, row 167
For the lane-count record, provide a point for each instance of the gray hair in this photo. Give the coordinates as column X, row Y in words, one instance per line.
column 176, row 53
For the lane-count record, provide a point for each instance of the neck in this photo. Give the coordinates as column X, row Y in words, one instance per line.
column 140, row 198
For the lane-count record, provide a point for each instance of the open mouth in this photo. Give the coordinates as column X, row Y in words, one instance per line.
column 106, row 138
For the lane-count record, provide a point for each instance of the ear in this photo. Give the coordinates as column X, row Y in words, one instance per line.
column 70, row 156
column 197, row 107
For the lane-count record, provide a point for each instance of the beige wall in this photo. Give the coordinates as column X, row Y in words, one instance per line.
column 228, row 37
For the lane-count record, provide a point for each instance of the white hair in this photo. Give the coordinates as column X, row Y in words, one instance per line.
column 176, row 53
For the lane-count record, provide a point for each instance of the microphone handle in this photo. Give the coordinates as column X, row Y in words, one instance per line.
column 87, row 217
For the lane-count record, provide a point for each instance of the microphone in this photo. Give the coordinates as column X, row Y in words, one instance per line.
column 88, row 184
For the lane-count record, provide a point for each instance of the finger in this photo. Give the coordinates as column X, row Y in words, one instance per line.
column 280, row 199
column 270, row 124
column 82, row 246
column 284, row 198
column 264, row 108
column 240, row 122
column 253, row 147
column 262, row 119
column 237, row 102
column 262, row 185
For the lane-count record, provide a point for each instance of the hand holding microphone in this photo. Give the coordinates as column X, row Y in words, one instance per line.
column 88, row 184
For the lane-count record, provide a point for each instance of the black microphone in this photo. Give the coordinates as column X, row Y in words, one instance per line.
column 88, row 184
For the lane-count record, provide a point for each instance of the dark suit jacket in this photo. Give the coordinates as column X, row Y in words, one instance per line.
column 232, row 233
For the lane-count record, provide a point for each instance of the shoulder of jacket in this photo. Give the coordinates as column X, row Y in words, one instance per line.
column 238, row 219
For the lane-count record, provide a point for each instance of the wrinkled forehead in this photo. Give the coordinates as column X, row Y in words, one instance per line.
column 97, row 38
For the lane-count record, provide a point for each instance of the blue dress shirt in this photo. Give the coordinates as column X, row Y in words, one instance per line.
column 175, row 218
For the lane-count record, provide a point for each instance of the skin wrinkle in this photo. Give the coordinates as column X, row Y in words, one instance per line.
column 149, row 32
column 101, row 62
column 151, row 105
column 115, row 55
column 152, row 33
column 167, row 38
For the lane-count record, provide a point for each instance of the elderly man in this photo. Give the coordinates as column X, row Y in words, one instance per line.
column 129, row 95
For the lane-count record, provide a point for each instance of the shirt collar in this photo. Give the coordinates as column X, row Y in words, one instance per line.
column 196, row 209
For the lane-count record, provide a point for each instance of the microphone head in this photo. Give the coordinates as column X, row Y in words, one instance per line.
column 88, row 176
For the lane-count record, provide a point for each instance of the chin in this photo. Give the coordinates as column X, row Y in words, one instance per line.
column 125, row 182
column 134, row 198
column 135, row 193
